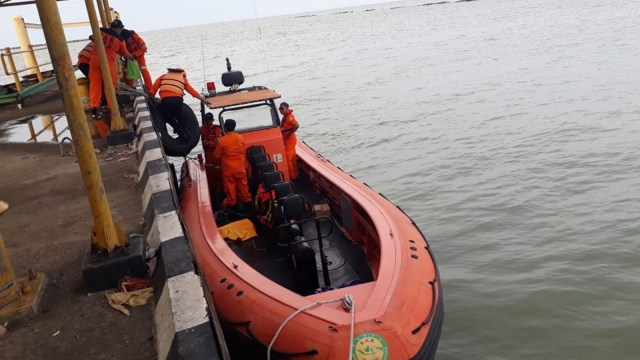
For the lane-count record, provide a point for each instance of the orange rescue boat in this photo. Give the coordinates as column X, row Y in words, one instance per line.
column 335, row 271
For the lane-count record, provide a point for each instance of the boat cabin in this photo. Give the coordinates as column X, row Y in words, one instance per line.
column 294, row 221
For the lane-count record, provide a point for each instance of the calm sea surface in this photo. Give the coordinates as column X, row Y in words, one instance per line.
column 508, row 129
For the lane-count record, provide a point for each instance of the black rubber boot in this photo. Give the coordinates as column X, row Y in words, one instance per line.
column 95, row 113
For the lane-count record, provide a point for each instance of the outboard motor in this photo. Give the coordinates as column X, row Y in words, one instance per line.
column 232, row 78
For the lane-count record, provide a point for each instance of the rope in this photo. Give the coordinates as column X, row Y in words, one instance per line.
column 126, row 90
column 348, row 303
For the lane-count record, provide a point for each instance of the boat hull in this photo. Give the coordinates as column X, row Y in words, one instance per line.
column 397, row 315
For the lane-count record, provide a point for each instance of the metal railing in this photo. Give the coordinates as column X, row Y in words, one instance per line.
column 51, row 125
column 8, row 54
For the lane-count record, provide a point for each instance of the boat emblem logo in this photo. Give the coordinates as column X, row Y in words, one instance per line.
column 370, row 346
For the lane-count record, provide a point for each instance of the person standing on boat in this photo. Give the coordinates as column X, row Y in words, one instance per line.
column 231, row 152
column 113, row 45
column 210, row 134
column 289, row 126
column 84, row 57
column 137, row 47
column 172, row 86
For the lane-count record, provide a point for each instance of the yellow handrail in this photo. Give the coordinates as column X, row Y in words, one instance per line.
column 14, row 72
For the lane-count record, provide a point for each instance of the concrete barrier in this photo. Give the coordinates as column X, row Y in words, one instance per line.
column 183, row 328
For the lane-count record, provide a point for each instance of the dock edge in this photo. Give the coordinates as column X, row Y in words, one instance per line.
column 183, row 328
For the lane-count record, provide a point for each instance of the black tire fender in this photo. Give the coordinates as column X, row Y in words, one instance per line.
column 234, row 77
column 187, row 140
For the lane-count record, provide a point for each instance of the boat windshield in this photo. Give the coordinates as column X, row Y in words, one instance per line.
column 252, row 117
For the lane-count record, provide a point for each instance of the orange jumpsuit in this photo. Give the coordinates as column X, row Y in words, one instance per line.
column 113, row 46
column 84, row 57
column 210, row 136
column 289, row 122
column 137, row 47
column 230, row 150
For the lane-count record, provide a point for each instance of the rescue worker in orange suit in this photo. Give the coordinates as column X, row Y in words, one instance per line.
column 114, row 45
column 84, row 57
column 211, row 134
column 231, row 152
column 172, row 86
column 289, row 126
column 137, row 47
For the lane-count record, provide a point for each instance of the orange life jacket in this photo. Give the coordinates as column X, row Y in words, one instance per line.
column 86, row 51
column 264, row 205
column 114, row 45
column 135, row 44
column 174, row 82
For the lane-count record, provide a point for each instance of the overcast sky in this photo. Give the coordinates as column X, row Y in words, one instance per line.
column 142, row 15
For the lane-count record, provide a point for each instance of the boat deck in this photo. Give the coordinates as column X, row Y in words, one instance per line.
column 346, row 261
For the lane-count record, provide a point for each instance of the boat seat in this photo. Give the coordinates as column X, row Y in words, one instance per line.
column 257, row 171
column 289, row 210
column 302, row 263
column 301, row 257
column 272, row 177
column 282, row 189
column 291, row 207
column 258, row 158
column 255, row 149
column 263, row 167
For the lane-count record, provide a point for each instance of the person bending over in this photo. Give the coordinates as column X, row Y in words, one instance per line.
column 172, row 86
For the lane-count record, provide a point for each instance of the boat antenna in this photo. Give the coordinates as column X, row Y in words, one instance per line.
column 264, row 52
column 204, row 76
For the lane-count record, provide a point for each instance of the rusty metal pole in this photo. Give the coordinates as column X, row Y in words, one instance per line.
column 107, row 10
column 106, row 234
column 117, row 122
column 8, row 285
column 103, row 17
column 12, row 66
column 32, row 131
column 17, row 295
column 25, row 44
column 48, row 123
column 37, row 67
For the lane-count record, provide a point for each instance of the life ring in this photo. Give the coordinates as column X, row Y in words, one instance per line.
column 188, row 136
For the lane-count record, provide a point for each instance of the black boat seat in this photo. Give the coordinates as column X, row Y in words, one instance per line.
column 291, row 207
column 272, row 177
column 255, row 149
column 301, row 256
column 289, row 210
column 264, row 167
column 282, row 189
column 258, row 158
column 302, row 263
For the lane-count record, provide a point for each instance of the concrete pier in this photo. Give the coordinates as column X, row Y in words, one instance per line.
column 46, row 230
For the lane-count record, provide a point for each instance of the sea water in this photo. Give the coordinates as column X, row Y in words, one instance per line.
column 509, row 130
